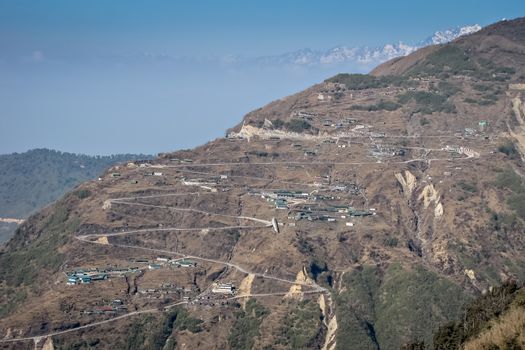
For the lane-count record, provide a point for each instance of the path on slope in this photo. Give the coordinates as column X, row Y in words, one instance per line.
column 126, row 201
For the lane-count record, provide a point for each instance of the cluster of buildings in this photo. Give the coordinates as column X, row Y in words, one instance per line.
column 281, row 198
column 114, row 307
column 314, row 213
column 223, row 288
column 181, row 160
column 87, row 276
column 83, row 277
column 469, row 152
column 167, row 289
column 163, row 261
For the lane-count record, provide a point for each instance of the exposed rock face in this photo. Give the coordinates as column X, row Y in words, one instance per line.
column 408, row 182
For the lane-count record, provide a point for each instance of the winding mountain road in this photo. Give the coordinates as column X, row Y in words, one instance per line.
column 91, row 238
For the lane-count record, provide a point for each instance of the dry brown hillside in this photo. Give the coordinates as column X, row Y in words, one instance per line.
column 361, row 213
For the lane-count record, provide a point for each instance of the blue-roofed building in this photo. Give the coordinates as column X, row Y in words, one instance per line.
column 72, row 280
column 154, row 266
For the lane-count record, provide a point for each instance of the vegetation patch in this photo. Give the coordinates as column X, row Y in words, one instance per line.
column 246, row 327
column 391, row 308
column 467, row 187
column 511, row 181
column 83, row 193
column 301, row 325
column 22, row 268
column 294, row 125
column 156, row 333
column 453, row 60
column 447, row 89
column 479, row 316
column 427, row 102
column 365, row 81
column 509, row 149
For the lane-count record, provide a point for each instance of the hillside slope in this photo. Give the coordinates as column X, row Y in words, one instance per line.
column 361, row 213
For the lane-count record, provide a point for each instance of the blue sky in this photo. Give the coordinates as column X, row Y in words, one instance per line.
column 102, row 77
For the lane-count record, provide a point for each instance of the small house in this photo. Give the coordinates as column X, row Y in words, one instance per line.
column 72, row 280
column 281, row 204
column 185, row 263
column 223, row 288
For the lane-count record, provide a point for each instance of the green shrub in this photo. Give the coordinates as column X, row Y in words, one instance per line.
column 298, row 125
column 83, row 193
column 391, row 241
column 278, row 124
column 510, row 150
column 424, row 121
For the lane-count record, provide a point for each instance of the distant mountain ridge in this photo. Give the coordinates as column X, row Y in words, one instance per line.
column 364, row 54
column 32, row 179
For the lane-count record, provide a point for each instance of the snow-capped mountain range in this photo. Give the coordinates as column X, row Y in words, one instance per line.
column 361, row 55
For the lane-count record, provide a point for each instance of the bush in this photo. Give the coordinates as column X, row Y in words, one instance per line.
column 83, row 193
column 298, row 125
column 509, row 149
column 391, row 241
column 278, row 124
column 424, row 121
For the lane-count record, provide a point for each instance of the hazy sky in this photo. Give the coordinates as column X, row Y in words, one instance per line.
column 149, row 76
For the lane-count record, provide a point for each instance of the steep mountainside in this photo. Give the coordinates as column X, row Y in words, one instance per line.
column 495, row 320
column 361, row 213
